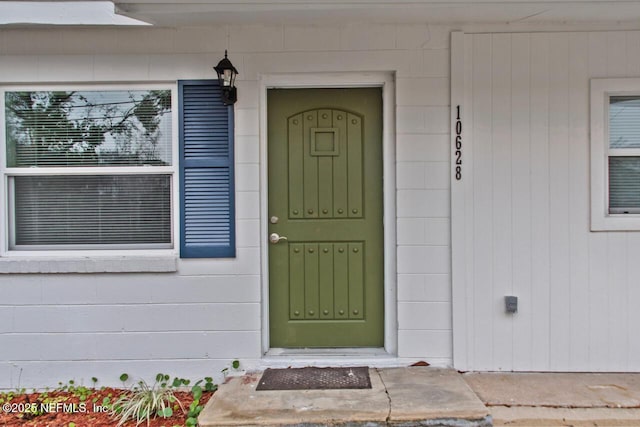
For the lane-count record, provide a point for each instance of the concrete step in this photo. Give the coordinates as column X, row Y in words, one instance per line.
column 559, row 399
column 416, row 396
column 527, row 416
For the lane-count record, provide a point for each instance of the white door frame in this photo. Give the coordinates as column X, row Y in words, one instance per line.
column 339, row 80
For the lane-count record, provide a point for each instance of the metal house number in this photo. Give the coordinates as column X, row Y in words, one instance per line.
column 458, row 153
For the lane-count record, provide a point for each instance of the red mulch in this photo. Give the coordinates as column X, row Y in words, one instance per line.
column 61, row 416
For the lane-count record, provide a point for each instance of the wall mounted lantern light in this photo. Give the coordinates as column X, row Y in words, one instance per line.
column 227, row 77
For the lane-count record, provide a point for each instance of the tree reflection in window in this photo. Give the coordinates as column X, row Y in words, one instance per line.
column 88, row 128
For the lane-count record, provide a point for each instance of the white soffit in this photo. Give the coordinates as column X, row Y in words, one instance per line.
column 198, row 12
column 62, row 13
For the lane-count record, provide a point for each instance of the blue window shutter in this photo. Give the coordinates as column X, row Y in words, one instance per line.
column 207, row 205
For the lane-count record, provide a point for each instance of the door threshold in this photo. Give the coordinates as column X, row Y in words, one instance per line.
column 300, row 357
column 329, row 352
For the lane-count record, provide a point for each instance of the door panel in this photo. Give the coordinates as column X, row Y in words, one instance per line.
column 323, row 182
column 325, row 189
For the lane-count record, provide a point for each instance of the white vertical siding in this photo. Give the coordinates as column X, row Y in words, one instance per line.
column 539, row 194
column 520, row 209
column 578, row 200
column 559, row 280
column 528, row 206
column 482, row 200
column 501, row 201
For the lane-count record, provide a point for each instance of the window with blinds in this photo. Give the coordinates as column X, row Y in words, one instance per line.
column 624, row 154
column 89, row 169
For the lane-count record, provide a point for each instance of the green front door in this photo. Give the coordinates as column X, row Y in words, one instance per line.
column 325, row 197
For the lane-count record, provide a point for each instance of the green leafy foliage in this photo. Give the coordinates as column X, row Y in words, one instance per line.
column 7, row 396
column 179, row 382
column 44, row 399
column 145, row 402
column 196, row 391
column 140, row 404
column 81, row 392
column 235, row 365
column 209, row 385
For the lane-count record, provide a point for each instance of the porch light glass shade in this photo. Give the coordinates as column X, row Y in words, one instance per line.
column 227, row 77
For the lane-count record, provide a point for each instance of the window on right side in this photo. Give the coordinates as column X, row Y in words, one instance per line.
column 615, row 154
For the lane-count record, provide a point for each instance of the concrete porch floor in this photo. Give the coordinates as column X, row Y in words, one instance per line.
column 559, row 399
column 425, row 396
column 414, row 396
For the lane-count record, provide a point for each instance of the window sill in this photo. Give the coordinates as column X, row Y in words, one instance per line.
column 628, row 222
column 120, row 264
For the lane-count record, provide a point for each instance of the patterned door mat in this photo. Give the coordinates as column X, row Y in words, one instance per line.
column 315, row 378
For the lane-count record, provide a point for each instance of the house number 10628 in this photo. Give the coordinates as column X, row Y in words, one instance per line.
column 458, row 154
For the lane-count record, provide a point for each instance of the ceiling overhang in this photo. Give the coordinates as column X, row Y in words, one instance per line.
column 206, row 12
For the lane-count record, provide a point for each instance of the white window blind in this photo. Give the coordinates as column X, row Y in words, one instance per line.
column 624, row 154
column 624, row 185
column 624, row 122
column 93, row 210
column 87, row 136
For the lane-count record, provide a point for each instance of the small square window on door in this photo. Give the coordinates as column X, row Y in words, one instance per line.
column 325, row 142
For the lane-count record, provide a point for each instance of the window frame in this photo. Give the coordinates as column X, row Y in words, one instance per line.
column 6, row 174
column 601, row 91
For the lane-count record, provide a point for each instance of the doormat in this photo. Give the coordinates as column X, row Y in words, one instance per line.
column 315, row 379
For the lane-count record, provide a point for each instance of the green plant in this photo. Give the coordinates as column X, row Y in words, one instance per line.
column 235, row 365
column 209, row 385
column 7, row 396
column 195, row 408
column 145, row 402
column 141, row 403
column 124, row 378
column 81, row 392
column 35, row 409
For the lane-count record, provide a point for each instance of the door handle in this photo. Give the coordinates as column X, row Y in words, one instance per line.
column 275, row 238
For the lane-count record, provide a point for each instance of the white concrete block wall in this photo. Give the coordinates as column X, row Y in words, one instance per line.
column 195, row 321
